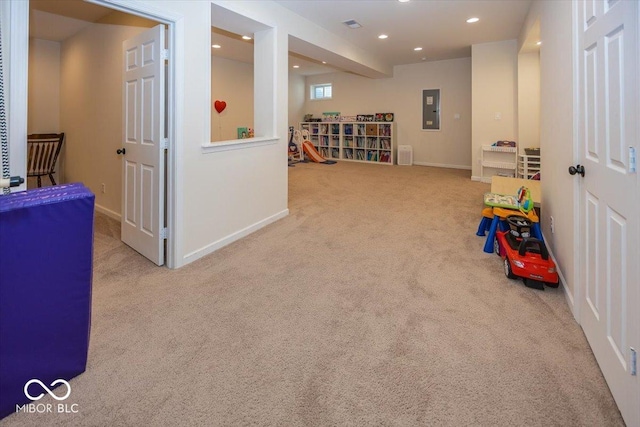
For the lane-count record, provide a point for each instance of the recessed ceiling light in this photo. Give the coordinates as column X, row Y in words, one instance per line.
column 296, row 66
column 216, row 46
column 538, row 43
column 403, row 1
column 472, row 20
column 246, row 38
column 324, row 62
column 383, row 36
column 417, row 48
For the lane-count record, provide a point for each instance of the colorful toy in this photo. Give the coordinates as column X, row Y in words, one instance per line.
column 524, row 256
column 294, row 149
column 525, row 203
column 503, row 206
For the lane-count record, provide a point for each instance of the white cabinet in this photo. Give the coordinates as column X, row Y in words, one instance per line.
column 528, row 165
column 499, row 161
column 370, row 142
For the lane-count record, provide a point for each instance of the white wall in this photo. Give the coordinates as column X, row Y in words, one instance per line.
column 528, row 100
column 556, row 129
column 43, row 113
column 231, row 82
column 494, row 91
column 223, row 195
column 402, row 95
column 296, row 99
column 44, row 87
column 91, row 110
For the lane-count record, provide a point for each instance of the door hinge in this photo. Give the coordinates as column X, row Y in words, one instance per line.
column 163, row 233
column 634, row 361
column 165, row 144
column 164, row 53
column 14, row 181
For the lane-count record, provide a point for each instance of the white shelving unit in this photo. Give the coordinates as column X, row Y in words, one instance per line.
column 368, row 142
column 500, row 161
column 328, row 140
column 528, row 165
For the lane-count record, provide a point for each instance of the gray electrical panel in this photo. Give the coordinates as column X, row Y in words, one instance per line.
column 431, row 109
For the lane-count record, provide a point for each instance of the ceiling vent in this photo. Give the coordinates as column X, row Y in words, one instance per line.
column 352, row 23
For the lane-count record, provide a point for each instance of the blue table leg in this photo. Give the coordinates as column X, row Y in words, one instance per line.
column 488, row 245
column 537, row 233
column 483, row 227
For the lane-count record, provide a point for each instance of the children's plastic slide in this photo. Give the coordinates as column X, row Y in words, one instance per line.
column 313, row 153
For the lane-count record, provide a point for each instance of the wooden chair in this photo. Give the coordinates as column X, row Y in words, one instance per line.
column 42, row 154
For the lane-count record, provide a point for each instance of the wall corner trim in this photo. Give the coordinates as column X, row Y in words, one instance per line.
column 238, row 144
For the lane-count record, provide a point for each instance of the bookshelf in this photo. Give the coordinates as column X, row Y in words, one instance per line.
column 368, row 142
column 499, row 161
column 528, row 165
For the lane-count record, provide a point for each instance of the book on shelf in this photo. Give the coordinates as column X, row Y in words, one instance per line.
column 348, row 153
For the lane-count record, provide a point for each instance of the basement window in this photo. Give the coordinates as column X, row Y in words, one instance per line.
column 321, row 91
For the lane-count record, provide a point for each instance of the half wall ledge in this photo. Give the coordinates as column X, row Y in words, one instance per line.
column 238, row 144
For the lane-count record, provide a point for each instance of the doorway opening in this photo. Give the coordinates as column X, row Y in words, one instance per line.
column 75, row 86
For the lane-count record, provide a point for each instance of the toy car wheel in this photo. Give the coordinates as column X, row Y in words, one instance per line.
column 507, row 269
column 496, row 246
column 552, row 285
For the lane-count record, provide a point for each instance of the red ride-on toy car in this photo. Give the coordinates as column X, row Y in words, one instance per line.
column 525, row 256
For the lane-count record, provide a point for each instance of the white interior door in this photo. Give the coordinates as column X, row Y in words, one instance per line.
column 608, row 75
column 143, row 169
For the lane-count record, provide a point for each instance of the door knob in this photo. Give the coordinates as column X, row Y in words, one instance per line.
column 577, row 169
column 124, row 151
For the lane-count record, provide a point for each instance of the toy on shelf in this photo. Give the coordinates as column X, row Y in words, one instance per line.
column 295, row 146
column 504, row 144
column 524, row 256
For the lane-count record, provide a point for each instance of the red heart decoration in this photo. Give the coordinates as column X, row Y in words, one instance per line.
column 220, row 106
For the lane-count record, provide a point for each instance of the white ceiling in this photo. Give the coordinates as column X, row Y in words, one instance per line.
column 438, row 26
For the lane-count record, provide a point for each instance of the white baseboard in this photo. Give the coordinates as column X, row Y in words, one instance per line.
column 485, row 179
column 563, row 281
column 108, row 212
column 442, row 165
column 212, row 247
